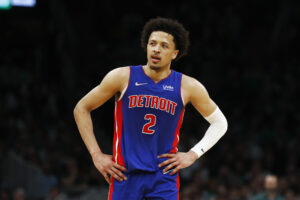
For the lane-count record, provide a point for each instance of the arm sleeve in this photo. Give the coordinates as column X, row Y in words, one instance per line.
column 218, row 127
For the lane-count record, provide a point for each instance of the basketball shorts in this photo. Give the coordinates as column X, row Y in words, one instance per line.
column 145, row 186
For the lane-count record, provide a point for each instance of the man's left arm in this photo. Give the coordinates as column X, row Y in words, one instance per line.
column 195, row 93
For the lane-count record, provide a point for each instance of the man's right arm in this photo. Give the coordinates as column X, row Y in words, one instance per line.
column 112, row 84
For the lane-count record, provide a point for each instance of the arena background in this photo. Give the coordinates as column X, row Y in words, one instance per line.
column 246, row 53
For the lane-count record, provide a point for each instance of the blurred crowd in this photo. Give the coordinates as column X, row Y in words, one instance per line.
column 244, row 52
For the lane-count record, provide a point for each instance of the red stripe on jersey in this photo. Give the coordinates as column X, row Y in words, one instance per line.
column 176, row 135
column 117, row 152
column 178, row 184
column 111, row 188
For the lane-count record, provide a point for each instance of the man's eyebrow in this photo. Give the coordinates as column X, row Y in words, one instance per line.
column 164, row 42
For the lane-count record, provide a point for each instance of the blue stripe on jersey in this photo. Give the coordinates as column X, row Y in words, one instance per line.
column 151, row 114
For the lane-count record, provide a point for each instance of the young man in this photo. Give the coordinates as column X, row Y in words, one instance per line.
column 271, row 189
column 149, row 108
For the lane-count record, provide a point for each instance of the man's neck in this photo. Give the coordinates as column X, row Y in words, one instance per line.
column 157, row 74
column 271, row 195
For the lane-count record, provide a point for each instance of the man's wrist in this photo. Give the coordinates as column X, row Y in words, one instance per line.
column 193, row 154
column 94, row 153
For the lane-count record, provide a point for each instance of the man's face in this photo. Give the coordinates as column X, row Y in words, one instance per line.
column 271, row 183
column 160, row 50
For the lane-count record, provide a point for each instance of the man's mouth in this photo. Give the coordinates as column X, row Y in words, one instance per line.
column 155, row 58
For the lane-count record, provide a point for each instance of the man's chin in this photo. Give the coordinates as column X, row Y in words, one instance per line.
column 155, row 67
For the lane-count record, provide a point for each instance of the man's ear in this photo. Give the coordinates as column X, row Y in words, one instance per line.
column 175, row 53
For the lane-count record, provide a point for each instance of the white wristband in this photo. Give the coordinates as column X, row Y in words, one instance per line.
column 218, row 127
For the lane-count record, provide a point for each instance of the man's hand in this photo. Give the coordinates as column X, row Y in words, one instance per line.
column 177, row 161
column 106, row 165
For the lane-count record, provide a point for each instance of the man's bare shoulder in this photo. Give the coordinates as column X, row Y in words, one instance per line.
column 116, row 79
column 189, row 83
column 191, row 87
column 194, row 92
column 120, row 73
column 118, row 76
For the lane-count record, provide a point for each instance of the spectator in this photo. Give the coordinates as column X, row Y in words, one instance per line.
column 4, row 195
column 19, row 194
column 271, row 190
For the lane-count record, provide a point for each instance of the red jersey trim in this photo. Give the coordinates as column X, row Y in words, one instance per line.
column 125, row 89
column 178, row 184
column 111, row 188
column 176, row 135
column 117, row 152
column 161, row 79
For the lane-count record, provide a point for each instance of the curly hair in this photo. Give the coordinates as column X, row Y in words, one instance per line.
column 173, row 27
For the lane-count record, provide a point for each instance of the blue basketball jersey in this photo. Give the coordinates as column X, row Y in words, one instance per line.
column 148, row 118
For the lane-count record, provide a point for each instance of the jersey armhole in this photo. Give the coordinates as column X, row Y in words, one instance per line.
column 180, row 91
column 125, row 89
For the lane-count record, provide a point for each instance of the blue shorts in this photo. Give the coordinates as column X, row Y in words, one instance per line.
column 145, row 186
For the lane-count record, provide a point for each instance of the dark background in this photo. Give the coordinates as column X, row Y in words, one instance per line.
column 246, row 53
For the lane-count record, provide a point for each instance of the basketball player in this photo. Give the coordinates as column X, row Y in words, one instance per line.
column 149, row 109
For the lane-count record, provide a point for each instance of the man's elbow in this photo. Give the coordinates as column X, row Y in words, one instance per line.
column 76, row 110
column 79, row 108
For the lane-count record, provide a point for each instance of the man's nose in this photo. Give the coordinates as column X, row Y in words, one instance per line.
column 156, row 49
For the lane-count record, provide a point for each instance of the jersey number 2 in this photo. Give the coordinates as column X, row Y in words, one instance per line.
column 150, row 124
